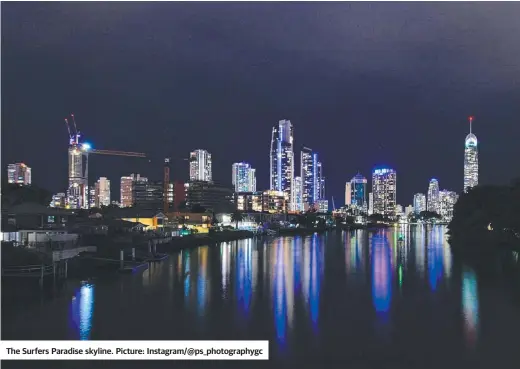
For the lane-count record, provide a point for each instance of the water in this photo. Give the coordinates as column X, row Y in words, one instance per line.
column 359, row 299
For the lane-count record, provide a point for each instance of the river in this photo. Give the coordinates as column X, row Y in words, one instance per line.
column 350, row 299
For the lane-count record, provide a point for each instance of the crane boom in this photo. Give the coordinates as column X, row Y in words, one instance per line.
column 117, row 153
column 68, row 127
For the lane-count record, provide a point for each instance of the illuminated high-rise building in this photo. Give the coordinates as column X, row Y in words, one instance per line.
column 370, row 203
column 243, row 177
column 93, row 199
column 19, row 173
column 433, row 203
column 126, row 191
column 200, row 166
column 298, row 194
column 102, row 192
column 58, row 200
column 320, row 181
column 384, row 191
column 309, row 172
column 282, row 160
column 358, row 196
column 348, row 194
column 447, row 200
column 419, row 203
column 470, row 159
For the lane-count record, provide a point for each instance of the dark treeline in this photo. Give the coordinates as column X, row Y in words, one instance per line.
column 486, row 222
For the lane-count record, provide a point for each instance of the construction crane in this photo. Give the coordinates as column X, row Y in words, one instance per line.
column 78, row 170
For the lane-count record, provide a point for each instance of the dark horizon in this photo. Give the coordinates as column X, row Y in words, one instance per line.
column 364, row 85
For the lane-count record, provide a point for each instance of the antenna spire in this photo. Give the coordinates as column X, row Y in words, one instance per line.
column 470, row 124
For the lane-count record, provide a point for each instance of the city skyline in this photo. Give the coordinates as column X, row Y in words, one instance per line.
column 389, row 115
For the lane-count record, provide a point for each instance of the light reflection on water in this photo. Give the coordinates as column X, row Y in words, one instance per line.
column 284, row 277
column 470, row 306
column 82, row 311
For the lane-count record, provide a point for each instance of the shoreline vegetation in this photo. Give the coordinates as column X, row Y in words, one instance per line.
column 485, row 229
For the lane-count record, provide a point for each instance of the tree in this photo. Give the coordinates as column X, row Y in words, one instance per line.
column 13, row 194
column 237, row 217
column 375, row 218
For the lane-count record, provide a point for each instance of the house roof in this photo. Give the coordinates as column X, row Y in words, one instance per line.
column 34, row 208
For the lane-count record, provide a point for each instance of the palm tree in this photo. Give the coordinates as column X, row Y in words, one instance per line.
column 237, row 217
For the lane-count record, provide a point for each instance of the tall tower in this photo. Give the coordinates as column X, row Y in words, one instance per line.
column 200, row 166
column 243, row 177
column 308, row 172
column 19, row 173
column 358, row 197
column 282, row 160
column 433, row 203
column 384, row 191
column 470, row 159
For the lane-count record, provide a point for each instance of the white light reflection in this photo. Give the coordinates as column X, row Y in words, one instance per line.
column 225, row 263
column 82, row 310
column 381, row 274
column 470, row 306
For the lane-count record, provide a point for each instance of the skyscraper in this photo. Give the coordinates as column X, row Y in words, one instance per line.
column 282, row 159
column 298, row 194
column 19, row 173
column 200, row 166
column 358, row 186
column 126, row 191
column 312, row 183
column 320, row 181
column 103, row 192
column 384, row 191
column 348, row 194
column 243, row 177
column 433, row 203
column 470, row 159
column 419, row 203
column 447, row 201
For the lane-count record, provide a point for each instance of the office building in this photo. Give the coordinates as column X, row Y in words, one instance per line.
column 274, row 202
column 348, row 194
column 19, row 174
column 58, row 200
column 200, row 166
column 147, row 195
column 358, row 186
column 298, row 194
column 102, row 192
column 282, row 159
column 384, row 191
column 322, row 206
column 209, row 195
column 92, row 197
column 433, row 202
column 309, row 172
column 408, row 210
column 419, row 203
column 447, row 201
column 320, row 182
column 126, row 198
column 470, row 159
column 243, row 177
column 370, row 203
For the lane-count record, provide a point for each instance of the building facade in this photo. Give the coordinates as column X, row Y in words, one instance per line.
column 308, row 172
column 358, row 186
column 419, row 203
column 470, row 159
column 19, row 173
column 433, row 203
column 298, row 194
column 447, row 201
column 209, row 195
column 348, row 194
column 200, row 166
column 384, row 189
column 282, row 159
column 147, row 195
column 126, row 198
column 58, row 200
column 243, row 177
column 102, row 192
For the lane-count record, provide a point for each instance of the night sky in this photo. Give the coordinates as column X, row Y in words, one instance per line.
column 363, row 84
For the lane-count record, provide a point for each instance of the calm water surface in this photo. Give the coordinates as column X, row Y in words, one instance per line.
column 355, row 299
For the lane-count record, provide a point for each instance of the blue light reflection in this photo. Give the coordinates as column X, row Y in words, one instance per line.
column 82, row 310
